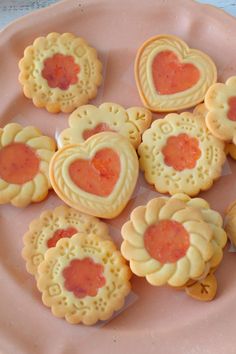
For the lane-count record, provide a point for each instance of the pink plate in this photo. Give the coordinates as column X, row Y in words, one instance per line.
column 162, row 320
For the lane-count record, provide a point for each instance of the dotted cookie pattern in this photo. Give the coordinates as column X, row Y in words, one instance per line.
column 79, row 299
column 60, row 72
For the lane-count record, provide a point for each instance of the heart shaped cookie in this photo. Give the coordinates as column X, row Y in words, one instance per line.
column 98, row 176
column 171, row 76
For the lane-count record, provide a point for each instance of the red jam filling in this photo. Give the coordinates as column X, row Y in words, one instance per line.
column 60, row 71
column 101, row 127
column 181, row 152
column 61, row 233
column 84, row 277
column 171, row 76
column 99, row 175
column 18, row 163
column 231, row 114
column 167, row 241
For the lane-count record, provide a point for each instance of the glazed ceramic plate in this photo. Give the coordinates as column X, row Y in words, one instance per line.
column 162, row 320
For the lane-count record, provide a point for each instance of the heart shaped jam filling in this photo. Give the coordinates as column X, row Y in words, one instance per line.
column 231, row 114
column 167, row 241
column 18, row 163
column 99, row 175
column 84, row 277
column 171, row 76
column 61, row 233
column 181, row 152
column 101, row 127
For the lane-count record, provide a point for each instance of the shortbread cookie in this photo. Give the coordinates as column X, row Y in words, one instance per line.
column 203, row 290
column 60, row 72
column 98, row 176
column 88, row 120
column 179, row 154
column 230, row 222
column 24, row 163
column 167, row 242
column 170, row 76
column 51, row 226
column 84, row 279
column 220, row 101
column 200, row 110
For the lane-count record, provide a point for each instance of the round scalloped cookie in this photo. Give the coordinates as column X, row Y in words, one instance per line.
column 60, row 72
column 24, row 164
column 84, row 279
column 88, row 120
column 167, row 242
column 98, row 176
column 171, row 76
column 180, row 155
column 51, row 226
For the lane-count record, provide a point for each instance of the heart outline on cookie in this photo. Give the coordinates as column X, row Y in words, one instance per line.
column 179, row 100
column 71, row 194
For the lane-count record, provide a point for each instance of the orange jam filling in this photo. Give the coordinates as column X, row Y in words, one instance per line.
column 171, row 76
column 84, row 277
column 18, row 163
column 167, row 241
column 61, row 233
column 181, row 152
column 231, row 114
column 101, row 127
column 99, row 175
column 60, row 71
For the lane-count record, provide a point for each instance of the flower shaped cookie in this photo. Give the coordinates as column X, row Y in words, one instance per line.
column 60, row 72
column 88, row 120
column 167, row 242
column 24, row 163
column 84, row 279
column 51, row 226
column 179, row 154
column 220, row 101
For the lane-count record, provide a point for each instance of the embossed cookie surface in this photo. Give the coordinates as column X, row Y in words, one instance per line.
column 24, row 164
column 97, row 177
column 179, row 154
column 51, row 226
column 171, row 76
column 167, row 242
column 60, row 72
column 84, row 279
column 89, row 120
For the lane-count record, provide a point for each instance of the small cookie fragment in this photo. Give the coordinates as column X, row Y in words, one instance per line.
column 98, row 176
column 171, row 76
column 84, row 279
column 89, row 120
column 51, row 226
column 24, row 164
column 204, row 290
column 179, row 154
column 230, row 222
column 60, row 72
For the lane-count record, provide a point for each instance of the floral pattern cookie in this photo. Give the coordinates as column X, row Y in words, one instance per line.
column 179, row 154
column 84, row 279
column 170, row 76
column 24, row 164
column 89, row 120
column 167, row 242
column 98, row 176
column 51, row 226
column 60, row 72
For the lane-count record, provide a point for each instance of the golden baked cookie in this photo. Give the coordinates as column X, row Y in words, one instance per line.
column 84, row 279
column 220, row 101
column 167, row 242
column 60, row 72
column 203, row 290
column 230, row 222
column 170, row 76
column 179, row 154
column 89, row 120
column 51, row 226
column 200, row 110
column 24, row 164
column 98, row 176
